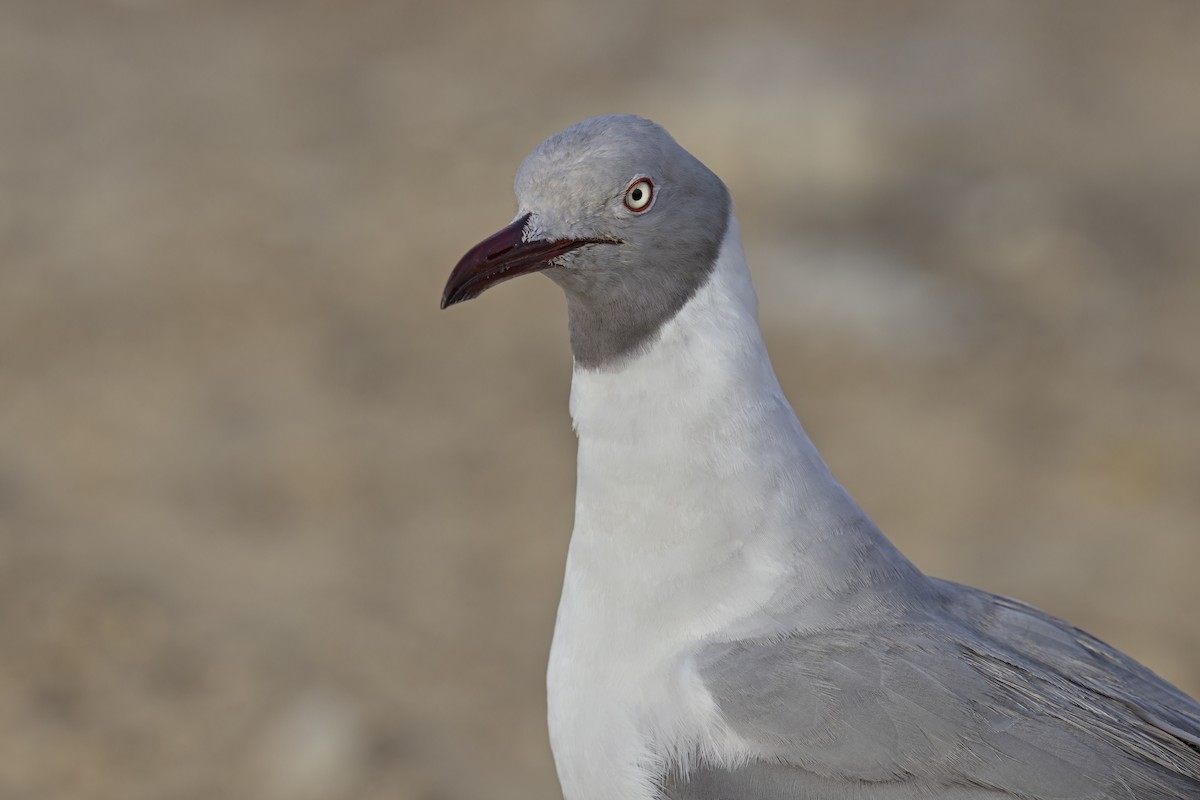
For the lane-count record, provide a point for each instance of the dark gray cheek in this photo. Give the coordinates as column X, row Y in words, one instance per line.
column 620, row 308
column 571, row 280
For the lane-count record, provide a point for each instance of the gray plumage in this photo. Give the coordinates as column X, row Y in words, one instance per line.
column 944, row 691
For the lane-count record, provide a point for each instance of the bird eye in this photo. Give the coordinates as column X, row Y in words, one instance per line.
column 639, row 194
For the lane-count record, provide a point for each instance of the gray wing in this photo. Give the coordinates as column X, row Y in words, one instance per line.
column 1061, row 648
column 979, row 697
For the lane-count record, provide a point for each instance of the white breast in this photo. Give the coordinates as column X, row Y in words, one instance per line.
column 694, row 482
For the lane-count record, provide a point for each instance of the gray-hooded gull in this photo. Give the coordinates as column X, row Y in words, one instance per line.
column 732, row 625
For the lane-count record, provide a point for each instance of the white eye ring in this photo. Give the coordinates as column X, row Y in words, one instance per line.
column 639, row 195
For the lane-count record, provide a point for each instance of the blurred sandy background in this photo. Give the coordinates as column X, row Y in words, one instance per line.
column 272, row 526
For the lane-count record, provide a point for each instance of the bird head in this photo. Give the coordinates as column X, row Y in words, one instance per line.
column 625, row 220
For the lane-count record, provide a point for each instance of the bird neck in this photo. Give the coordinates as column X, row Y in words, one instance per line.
column 689, row 454
column 701, row 397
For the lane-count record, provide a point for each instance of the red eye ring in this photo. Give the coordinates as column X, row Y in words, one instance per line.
column 639, row 195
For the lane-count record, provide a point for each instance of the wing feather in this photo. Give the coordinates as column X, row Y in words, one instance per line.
column 975, row 696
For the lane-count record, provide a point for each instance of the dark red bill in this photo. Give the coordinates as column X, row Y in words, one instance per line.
column 501, row 256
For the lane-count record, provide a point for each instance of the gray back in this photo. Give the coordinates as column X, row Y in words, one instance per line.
column 973, row 692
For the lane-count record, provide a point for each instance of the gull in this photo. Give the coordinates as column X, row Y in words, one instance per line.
column 732, row 625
